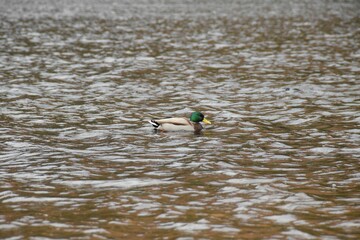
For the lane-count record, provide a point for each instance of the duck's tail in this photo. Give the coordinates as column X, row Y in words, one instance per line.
column 154, row 123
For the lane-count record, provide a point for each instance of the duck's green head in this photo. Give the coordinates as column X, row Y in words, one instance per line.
column 199, row 117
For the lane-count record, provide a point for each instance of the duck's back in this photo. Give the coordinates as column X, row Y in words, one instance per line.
column 173, row 124
column 175, row 121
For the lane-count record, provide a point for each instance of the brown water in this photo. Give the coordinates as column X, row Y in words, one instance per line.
column 279, row 80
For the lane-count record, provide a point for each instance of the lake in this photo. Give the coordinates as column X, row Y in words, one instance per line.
column 279, row 80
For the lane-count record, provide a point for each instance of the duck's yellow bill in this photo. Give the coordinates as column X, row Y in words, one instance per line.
column 206, row 121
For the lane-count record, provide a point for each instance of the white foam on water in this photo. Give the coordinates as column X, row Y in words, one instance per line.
column 323, row 150
column 41, row 199
column 121, row 183
column 282, row 219
column 297, row 234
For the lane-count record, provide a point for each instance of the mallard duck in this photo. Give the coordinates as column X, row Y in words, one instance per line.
column 181, row 124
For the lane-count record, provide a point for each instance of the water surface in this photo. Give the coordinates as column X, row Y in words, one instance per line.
column 279, row 80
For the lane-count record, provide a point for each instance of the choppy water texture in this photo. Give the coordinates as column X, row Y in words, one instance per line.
column 279, row 80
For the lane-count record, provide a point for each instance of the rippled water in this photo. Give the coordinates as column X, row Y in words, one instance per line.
column 279, row 80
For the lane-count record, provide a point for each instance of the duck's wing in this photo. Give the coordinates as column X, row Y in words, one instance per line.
column 172, row 124
column 175, row 121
